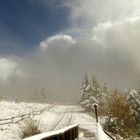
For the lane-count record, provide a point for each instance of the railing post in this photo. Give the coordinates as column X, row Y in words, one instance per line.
column 96, row 112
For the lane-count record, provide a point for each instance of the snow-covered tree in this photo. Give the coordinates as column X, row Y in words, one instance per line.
column 96, row 88
column 89, row 93
column 98, row 92
column 92, row 92
column 134, row 99
column 105, row 96
column 106, row 91
column 85, row 92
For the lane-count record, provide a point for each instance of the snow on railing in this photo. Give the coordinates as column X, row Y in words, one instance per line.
column 100, row 134
column 67, row 133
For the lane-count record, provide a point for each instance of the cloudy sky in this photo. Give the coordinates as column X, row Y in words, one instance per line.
column 53, row 43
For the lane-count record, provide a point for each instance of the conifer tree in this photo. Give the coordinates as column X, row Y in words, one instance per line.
column 85, row 89
column 134, row 100
column 105, row 96
column 92, row 93
column 88, row 94
column 96, row 89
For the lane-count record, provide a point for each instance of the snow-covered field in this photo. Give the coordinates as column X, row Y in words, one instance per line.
column 11, row 131
column 53, row 117
column 10, row 109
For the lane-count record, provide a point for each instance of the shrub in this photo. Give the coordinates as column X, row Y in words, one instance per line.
column 29, row 128
column 120, row 119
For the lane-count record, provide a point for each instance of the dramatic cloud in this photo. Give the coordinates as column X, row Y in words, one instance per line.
column 120, row 37
column 61, row 40
column 94, row 11
column 103, row 40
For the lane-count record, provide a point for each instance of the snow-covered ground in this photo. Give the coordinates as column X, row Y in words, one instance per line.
column 10, row 109
column 11, row 131
column 54, row 117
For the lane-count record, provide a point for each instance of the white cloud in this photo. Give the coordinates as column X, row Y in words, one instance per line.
column 89, row 13
column 43, row 45
column 120, row 44
column 66, row 38
column 57, row 40
column 8, row 68
column 100, row 10
column 122, row 36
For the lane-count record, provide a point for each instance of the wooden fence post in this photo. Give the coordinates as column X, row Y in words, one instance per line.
column 96, row 112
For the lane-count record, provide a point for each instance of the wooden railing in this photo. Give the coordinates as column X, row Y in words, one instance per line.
column 19, row 118
column 16, row 119
column 67, row 133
